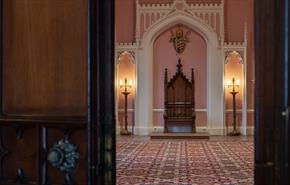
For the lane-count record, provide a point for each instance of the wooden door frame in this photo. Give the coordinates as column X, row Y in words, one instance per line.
column 101, row 98
column 271, row 98
column 271, row 92
column 271, row 68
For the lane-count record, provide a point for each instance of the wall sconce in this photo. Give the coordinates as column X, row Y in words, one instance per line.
column 125, row 85
column 234, row 83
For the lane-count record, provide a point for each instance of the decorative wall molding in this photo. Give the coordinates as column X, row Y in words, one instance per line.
column 231, row 53
column 251, row 110
column 209, row 14
column 120, row 48
column 239, row 47
column 123, row 110
column 144, row 97
column 126, row 45
column 234, row 45
column 240, row 110
column 214, row 131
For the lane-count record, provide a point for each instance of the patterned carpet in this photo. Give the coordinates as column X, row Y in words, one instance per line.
column 184, row 162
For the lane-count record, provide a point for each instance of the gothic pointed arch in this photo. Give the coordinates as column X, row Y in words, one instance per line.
column 144, row 115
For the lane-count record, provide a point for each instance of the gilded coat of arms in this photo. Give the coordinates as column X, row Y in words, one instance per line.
column 179, row 40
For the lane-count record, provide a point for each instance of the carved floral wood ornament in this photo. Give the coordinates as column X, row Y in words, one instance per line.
column 64, row 156
column 179, row 40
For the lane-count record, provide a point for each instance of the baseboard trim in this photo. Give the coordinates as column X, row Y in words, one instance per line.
column 213, row 131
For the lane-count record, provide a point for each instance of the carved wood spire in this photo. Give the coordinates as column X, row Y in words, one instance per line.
column 165, row 86
column 165, row 78
column 193, row 87
column 179, row 66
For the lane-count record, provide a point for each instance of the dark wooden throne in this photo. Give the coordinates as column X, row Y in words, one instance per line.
column 179, row 114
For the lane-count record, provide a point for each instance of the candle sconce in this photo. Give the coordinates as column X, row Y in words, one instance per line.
column 234, row 83
column 124, row 86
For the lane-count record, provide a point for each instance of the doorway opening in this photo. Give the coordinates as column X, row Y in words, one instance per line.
column 219, row 48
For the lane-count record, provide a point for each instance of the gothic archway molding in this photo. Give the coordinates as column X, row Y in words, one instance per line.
column 208, row 21
column 215, row 90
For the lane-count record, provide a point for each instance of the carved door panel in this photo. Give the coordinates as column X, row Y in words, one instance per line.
column 43, row 92
column 51, row 102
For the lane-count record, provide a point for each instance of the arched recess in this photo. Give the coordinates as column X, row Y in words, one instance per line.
column 194, row 56
column 125, row 69
column 234, row 68
column 215, row 90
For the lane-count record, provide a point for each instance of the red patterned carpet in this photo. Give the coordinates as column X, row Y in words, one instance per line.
column 184, row 162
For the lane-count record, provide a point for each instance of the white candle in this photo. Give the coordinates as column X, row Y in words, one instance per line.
column 238, row 82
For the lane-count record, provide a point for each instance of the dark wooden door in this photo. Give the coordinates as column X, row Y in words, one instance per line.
column 272, row 92
column 56, row 88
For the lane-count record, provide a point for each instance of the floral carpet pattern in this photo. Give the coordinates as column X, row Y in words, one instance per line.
column 184, row 162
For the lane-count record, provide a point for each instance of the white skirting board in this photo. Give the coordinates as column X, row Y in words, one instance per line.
column 214, row 131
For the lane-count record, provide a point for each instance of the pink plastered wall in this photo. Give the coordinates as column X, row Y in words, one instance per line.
column 125, row 21
column 201, row 119
column 125, row 15
column 237, row 13
column 250, row 63
column 165, row 56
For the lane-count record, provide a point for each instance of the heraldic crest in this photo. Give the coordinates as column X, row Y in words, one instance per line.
column 179, row 40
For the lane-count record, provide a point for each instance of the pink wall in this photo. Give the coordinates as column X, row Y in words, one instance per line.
column 250, row 62
column 126, row 16
column 125, row 20
column 237, row 12
column 235, row 17
column 165, row 56
column 201, row 119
